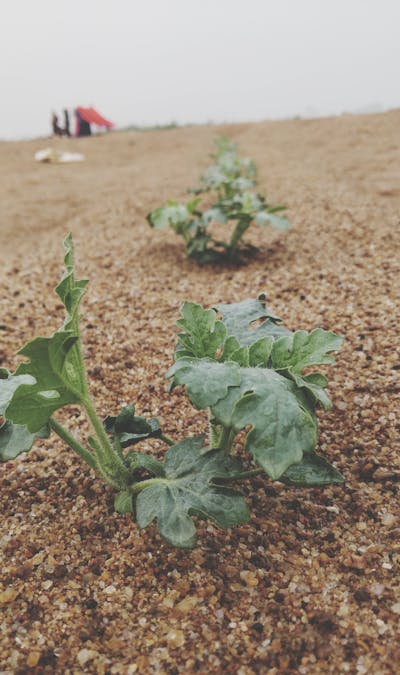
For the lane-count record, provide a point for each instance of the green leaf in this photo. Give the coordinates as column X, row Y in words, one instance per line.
column 192, row 205
column 206, row 381
column 282, row 427
column 242, row 204
column 241, row 357
column 69, row 290
column 213, row 214
column 269, row 218
column 130, row 428
column 187, row 490
column 172, row 213
column 9, row 384
column 238, row 317
column 230, row 347
column 123, row 502
column 301, row 349
column 56, row 381
column 213, row 178
column 224, row 145
column 242, row 183
column 15, row 439
column 312, row 471
column 203, row 335
column 260, row 352
column 314, row 384
column 55, row 366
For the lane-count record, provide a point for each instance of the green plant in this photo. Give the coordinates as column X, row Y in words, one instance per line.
column 231, row 179
column 253, row 377
column 246, row 377
column 229, row 174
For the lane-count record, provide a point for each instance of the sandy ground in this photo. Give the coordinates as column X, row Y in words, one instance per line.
column 311, row 584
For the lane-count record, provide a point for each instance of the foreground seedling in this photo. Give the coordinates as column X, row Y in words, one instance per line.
column 248, row 377
column 230, row 180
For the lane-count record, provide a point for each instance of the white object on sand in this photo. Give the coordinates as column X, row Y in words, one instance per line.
column 53, row 156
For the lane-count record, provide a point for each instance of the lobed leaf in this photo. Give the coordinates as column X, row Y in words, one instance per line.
column 56, row 381
column 302, row 349
column 188, row 489
column 9, row 383
column 203, row 335
column 55, row 365
column 238, row 317
column 206, row 381
column 282, row 427
column 230, row 347
column 241, row 357
column 260, row 352
column 16, row 439
column 312, row 471
column 69, row 290
column 314, row 384
column 256, row 355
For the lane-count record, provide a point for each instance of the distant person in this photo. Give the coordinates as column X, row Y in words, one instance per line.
column 82, row 126
column 57, row 131
column 67, row 130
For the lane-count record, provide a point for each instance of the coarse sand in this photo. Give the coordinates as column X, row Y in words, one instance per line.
column 311, row 583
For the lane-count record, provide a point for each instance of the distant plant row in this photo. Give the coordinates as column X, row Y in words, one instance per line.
column 226, row 195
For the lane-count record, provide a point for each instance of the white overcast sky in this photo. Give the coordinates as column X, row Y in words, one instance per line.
column 151, row 62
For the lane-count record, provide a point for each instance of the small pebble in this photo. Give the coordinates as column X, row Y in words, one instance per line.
column 175, row 638
column 32, row 659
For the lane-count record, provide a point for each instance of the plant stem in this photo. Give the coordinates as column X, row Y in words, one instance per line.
column 117, row 446
column 98, row 428
column 219, row 436
column 110, row 463
column 225, row 440
column 238, row 232
column 73, row 443
column 138, row 487
column 142, row 485
column 214, row 431
column 167, row 439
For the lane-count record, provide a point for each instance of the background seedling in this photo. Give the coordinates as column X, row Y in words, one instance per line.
column 231, row 181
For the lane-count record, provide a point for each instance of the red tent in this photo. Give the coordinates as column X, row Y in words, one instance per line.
column 91, row 116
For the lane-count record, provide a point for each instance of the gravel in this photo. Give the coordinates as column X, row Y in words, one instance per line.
column 311, row 584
